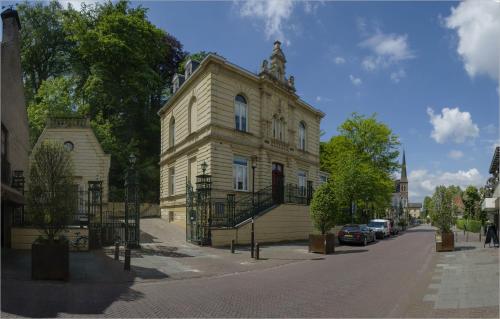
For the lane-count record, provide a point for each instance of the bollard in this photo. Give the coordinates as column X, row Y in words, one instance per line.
column 232, row 246
column 257, row 251
column 117, row 250
column 126, row 265
column 252, row 241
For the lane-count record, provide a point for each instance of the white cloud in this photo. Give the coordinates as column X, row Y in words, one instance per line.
column 272, row 12
column 386, row 49
column 323, row 99
column 455, row 154
column 422, row 182
column 339, row 60
column 398, row 75
column 310, row 7
column 452, row 125
column 354, row 80
column 490, row 129
column 77, row 5
column 478, row 27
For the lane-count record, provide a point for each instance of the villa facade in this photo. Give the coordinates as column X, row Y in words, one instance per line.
column 251, row 130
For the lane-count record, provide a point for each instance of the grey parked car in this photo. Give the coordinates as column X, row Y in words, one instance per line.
column 358, row 234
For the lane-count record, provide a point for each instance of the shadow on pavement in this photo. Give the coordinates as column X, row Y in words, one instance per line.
column 96, row 282
column 353, row 251
column 458, row 248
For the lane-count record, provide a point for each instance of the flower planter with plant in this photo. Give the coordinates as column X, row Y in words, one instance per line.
column 323, row 214
column 50, row 203
column 443, row 218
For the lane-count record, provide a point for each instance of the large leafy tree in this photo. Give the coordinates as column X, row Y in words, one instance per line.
column 471, row 199
column 361, row 161
column 56, row 97
column 45, row 45
column 107, row 62
column 427, row 206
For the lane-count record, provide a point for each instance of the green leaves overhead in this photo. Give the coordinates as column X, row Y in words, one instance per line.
column 361, row 161
column 107, row 62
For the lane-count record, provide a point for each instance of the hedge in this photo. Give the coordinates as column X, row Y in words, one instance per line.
column 472, row 225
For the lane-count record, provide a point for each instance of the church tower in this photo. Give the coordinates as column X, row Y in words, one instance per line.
column 403, row 183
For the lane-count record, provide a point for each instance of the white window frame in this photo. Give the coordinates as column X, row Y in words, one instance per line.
column 302, row 182
column 241, row 114
column 171, row 181
column 302, row 136
column 240, row 173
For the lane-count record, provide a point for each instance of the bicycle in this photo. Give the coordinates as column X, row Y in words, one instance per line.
column 80, row 242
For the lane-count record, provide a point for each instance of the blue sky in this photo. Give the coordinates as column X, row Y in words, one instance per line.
column 429, row 70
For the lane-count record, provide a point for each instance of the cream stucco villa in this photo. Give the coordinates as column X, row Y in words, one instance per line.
column 252, row 133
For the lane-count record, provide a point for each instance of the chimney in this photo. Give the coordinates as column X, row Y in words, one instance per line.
column 11, row 26
column 190, row 67
column 177, row 82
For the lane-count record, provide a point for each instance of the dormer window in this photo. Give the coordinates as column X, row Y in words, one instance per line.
column 240, row 113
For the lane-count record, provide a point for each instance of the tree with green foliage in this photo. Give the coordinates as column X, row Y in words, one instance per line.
column 123, row 63
column 442, row 213
column 361, row 161
column 472, row 200
column 45, row 48
column 324, row 209
column 427, row 206
column 50, row 197
column 56, row 97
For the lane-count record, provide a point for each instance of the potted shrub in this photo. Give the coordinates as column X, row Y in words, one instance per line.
column 443, row 218
column 323, row 214
column 50, row 203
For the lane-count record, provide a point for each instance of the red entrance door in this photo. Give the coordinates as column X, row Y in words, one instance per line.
column 278, row 183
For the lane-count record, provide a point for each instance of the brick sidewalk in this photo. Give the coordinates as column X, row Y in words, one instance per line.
column 464, row 283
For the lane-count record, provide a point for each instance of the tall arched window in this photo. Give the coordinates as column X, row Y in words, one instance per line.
column 302, row 136
column 172, row 132
column 240, row 113
column 278, row 128
column 192, row 116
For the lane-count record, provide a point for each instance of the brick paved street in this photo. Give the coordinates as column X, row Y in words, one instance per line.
column 389, row 278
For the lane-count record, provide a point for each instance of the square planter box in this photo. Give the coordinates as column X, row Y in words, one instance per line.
column 324, row 244
column 50, row 261
column 445, row 241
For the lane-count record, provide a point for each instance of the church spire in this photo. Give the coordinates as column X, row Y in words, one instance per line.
column 404, row 178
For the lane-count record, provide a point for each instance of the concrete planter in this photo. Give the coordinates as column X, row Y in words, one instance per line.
column 324, row 244
column 445, row 241
column 50, row 261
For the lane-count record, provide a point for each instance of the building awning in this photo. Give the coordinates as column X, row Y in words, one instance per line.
column 12, row 195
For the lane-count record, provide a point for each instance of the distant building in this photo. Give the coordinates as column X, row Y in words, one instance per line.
column 15, row 132
column 414, row 209
column 90, row 162
column 401, row 208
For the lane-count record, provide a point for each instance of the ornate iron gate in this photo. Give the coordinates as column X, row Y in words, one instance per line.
column 94, row 214
column 132, row 213
column 199, row 209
